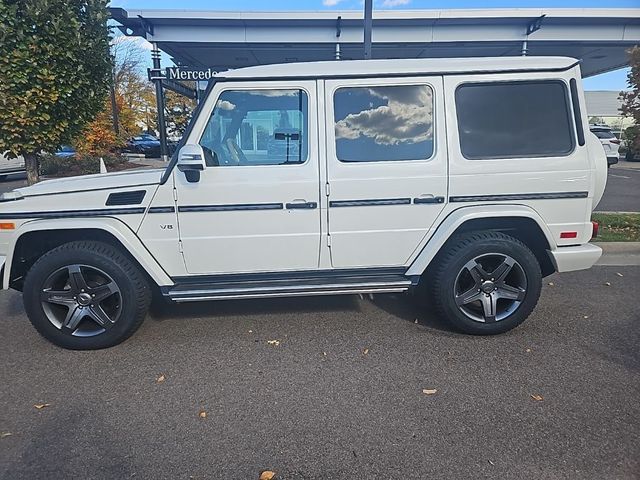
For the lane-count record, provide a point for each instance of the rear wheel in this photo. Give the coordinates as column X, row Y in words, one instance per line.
column 486, row 283
column 85, row 296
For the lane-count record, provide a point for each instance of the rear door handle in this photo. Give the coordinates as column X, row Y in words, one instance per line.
column 301, row 204
column 427, row 198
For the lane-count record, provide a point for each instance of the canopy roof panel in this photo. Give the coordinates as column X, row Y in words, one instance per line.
column 225, row 40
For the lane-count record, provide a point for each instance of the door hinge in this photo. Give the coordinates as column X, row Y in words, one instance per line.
column 328, row 240
column 175, row 195
column 180, row 246
column 327, row 189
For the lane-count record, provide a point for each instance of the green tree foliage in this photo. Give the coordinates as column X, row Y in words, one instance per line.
column 631, row 100
column 55, row 64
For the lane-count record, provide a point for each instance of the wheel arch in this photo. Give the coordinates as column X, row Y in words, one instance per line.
column 518, row 221
column 37, row 237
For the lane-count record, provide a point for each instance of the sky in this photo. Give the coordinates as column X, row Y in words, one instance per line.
column 608, row 81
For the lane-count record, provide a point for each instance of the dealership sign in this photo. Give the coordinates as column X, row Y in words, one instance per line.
column 181, row 73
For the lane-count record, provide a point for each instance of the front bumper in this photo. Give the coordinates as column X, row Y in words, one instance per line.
column 580, row 257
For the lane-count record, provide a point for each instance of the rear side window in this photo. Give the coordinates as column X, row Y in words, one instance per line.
column 514, row 119
column 383, row 123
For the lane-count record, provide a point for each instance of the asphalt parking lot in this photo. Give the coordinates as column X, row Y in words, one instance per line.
column 622, row 193
column 340, row 396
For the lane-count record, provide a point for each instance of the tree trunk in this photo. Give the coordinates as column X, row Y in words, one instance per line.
column 32, row 165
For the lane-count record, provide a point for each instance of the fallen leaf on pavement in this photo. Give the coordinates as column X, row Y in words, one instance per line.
column 160, row 379
column 586, row 316
column 324, row 353
column 365, row 351
column 491, row 462
column 537, row 398
column 275, row 343
column 250, row 331
column 40, row 406
column 608, row 284
column 551, row 284
column 267, row 475
column 202, row 414
column 5, row 434
column 528, row 350
column 429, row 391
column 619, row 274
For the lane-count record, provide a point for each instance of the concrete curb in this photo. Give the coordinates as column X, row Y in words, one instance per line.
column 619, row 247
column 619, row 253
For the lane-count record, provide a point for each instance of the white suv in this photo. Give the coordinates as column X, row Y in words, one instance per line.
column 609, row 142
column 465, row 180
column 9, row 166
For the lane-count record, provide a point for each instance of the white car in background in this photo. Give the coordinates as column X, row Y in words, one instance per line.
column 10, row 165
column 609, row 141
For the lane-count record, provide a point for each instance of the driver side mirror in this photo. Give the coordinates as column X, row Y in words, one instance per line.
column 191, row 162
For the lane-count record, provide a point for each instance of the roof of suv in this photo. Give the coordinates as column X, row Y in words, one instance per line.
column 400, row 67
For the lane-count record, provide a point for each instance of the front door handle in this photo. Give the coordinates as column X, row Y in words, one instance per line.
column 301, row 204
column 427, row 198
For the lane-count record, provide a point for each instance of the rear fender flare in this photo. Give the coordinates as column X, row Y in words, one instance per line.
column 458, row 217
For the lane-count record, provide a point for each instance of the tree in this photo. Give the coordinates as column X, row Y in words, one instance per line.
column 631, row 100
column 178, row 111
column 56, row 68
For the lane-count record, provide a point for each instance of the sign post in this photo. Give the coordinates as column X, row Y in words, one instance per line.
column 155, row 55
column 368, row 24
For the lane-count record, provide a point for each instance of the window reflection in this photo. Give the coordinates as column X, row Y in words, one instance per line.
column 384, row 123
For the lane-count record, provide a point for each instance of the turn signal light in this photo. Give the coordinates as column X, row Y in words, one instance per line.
column 568, row 234
column 7, row 226
column 596, row 228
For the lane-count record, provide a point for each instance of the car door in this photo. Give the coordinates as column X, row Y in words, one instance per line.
column 386, row 167
column 255, row 207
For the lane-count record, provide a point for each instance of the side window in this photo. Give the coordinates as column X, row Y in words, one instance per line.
column 386, row 123
column 514, row 119
column 257, row 127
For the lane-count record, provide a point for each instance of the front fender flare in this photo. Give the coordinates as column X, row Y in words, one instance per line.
column 461, row 215
column 110, row 225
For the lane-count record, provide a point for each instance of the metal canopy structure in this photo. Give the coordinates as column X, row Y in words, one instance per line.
column 223, row 40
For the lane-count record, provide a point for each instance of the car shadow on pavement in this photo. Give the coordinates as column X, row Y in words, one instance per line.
column 163, row 310
column 407, row 307
column 412, row 308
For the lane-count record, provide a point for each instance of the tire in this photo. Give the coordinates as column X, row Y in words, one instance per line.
column 516, row 275
column 65, row 313
column 3, row 178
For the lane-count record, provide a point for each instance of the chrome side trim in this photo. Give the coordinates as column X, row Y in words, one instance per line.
column 74, row 213
column 370, row 202
column 162, row 210
column 230, row 207
column 518, row 196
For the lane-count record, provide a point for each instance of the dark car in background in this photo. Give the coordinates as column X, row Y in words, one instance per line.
column 145, row 144
column 148, row 145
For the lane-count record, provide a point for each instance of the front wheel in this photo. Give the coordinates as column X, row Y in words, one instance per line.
column 85, row 295
column 486, row 283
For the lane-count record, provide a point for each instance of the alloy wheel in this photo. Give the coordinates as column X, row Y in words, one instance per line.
column 490, row 287
column 81, row 300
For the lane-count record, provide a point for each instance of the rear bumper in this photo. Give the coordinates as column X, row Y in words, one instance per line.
column 612, row 160
column 580, row 257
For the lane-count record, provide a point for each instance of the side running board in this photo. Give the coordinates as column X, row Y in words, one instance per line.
column 235, row 287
